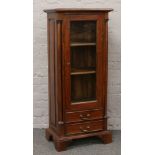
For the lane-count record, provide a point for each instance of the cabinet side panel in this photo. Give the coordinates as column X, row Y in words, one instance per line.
column 51, row 73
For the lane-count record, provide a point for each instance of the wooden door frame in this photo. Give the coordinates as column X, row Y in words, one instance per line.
column 99, row 72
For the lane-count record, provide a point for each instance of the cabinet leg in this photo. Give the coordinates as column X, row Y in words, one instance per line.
column 61, row 145
column 106, row 138
column 48, row 135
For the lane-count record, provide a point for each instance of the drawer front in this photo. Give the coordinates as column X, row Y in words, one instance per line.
column 83, row 116
column 84, row 128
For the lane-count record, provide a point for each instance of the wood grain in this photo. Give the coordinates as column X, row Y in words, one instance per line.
column 77, row 75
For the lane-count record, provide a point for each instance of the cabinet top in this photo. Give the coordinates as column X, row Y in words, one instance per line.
column 70, row 10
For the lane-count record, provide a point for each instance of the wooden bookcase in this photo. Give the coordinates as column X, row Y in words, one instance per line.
column 77, row 73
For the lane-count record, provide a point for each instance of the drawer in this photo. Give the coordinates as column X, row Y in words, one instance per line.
column 87, row 127
column 83, row 116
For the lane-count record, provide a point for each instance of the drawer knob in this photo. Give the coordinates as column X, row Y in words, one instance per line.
column 88, row 127
column 84, row 130
column 84, row 117
column 88, row 115
column 81, row 116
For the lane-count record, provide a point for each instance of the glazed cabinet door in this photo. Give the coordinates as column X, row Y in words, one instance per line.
column 83, row 62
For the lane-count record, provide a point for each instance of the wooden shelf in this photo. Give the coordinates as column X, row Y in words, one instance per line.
column 82, row 71
column 82, row 44
column 83, row 101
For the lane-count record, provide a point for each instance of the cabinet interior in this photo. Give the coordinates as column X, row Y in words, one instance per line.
column 83, row 61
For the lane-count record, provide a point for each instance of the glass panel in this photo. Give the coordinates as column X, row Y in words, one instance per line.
column 83, row 61
column 83, row 88
column 83, row 58
column 83, row 31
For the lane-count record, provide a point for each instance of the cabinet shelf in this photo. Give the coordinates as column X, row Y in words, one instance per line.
column 82, row 101
column 82, row 71
column 82, row 44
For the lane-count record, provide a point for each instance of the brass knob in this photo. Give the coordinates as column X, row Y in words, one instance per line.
column 81, row 116
column 84, row 130
column 88, row 115
column 85, row 117
column 88, row 127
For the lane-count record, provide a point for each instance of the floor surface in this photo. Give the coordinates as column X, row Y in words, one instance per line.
column 87, row 146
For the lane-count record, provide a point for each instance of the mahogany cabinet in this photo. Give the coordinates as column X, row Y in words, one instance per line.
column 77, row 73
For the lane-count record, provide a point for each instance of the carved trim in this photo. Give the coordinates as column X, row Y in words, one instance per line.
column 106, row 18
